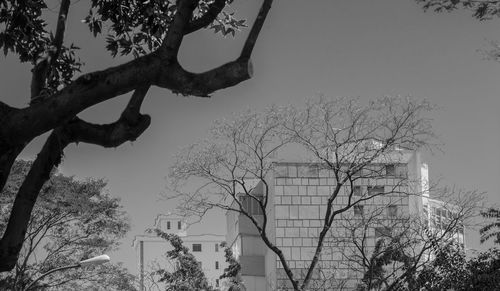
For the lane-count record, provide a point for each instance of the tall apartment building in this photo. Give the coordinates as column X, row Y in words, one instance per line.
column 297, row 197
column 150, row 252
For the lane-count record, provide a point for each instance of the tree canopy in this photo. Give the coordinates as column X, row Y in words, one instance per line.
column 150, row 31
column 73, row 220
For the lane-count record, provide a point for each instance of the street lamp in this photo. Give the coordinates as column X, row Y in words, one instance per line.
column 88, row 262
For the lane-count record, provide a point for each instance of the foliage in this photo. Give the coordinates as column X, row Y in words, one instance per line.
column 449, row 269
column 72, row 221
column 24, row 33
column 187, row 273
column 485, row 271
column 452, row 270
column 491, row 230
column 232, row 271
column 138, row 27
column 134, row 27
column 482, row 10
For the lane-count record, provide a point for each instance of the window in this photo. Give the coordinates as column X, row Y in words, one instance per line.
column 196, row 247
column 168, row 224
column 216, row 282
column 179, row 224
column 375, row 190
column 390, row 170
column 251, row 205
column 216, row 265
column 216, row 247
column 356, row 191
column 392, row 211
column 381, row 232
column 358, row 210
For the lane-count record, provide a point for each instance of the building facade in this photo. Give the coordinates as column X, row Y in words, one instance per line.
column 298, row 197
column 150, row 252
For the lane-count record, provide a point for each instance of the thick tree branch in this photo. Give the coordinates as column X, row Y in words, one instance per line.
column 131, row 113
column 172, row 42
column 107, row 135
column 246, row 52
column 12, row 240
column 60, row 29
column 207, row 18
column 22, row 125
column 157, row 68
column 77, row 130
column 203, row 84
column 58, row 111
column 41, row 69
column 7, row 158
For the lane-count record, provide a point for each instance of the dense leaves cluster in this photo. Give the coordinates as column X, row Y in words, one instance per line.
column 491, row 230
column 187, row 273
column 23, row 31
column 451, row 270
column 447, row 269
column 138, row 27
column 232, row 271
column 73, row 220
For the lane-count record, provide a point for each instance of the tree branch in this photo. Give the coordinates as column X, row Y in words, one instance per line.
column 207, row 18
column 172, row 42
column 246, row 52
column 42, row 67
column 77, row 130
column 154, row 69
column 203, row 84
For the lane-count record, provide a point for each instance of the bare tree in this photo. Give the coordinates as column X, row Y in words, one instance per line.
column 151, row 31
column 233, row 169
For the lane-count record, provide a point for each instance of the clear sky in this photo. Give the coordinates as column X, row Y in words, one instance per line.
column 353, row 48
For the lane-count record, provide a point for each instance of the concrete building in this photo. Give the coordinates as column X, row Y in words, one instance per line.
column 150, row 252
column 297, row 197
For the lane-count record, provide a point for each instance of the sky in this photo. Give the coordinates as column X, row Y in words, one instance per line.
column 358, row 48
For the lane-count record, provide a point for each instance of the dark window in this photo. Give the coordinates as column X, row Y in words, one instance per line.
column 375, row 190
column 216, row 247
column 168, row 224
column 196, row 247
column 216, row 265
column 358, row 210
column 251, row 205
column 390, row 170
column 392, row 211
column 356, row 191
column 179, row 224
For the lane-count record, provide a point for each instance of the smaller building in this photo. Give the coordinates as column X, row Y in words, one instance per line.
column 150, row 251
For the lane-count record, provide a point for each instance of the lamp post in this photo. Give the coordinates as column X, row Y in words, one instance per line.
column 92, row 261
